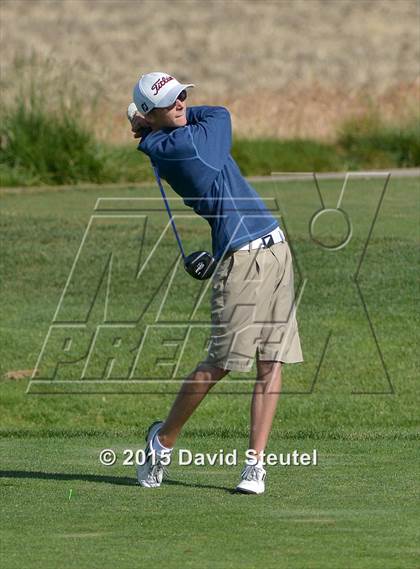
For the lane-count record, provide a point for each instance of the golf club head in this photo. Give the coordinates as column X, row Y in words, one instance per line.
column 200, row 265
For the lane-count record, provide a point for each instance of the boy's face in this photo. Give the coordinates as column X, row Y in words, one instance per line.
column 172, row 116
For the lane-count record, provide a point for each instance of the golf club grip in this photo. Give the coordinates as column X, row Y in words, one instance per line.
column 162, row 191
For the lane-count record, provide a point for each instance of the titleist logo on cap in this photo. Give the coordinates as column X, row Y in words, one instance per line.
column 157, row 86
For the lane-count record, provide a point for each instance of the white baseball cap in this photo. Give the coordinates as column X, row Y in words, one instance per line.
column 157, row 89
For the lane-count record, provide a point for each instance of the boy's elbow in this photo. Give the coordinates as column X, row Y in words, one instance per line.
column 224, row 111
column 224, row 114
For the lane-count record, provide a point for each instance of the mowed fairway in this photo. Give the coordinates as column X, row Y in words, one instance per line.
column 354, row 399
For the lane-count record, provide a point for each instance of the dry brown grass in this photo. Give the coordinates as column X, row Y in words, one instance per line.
column 285, row 68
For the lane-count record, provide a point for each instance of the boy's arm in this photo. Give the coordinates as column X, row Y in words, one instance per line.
column 211, row 133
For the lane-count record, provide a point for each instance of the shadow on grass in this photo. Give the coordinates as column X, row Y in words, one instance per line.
column 118, row 480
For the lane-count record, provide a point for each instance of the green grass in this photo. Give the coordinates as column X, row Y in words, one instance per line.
column 100, row 163
column 373, row 141
column 45, row 146
column 356, row 509
column 264, row 156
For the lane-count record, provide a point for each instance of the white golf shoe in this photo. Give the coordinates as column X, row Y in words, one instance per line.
column 150, row 474
column 252, row 480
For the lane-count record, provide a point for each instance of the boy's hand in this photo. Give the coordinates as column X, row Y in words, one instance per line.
column 137, row 124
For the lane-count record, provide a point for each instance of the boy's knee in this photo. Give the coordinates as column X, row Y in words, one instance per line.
column 265, row 369
column 207, row 372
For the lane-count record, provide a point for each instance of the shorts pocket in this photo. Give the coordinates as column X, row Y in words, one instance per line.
column 279, row 253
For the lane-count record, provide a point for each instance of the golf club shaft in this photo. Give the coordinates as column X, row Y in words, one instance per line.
column 168, row 209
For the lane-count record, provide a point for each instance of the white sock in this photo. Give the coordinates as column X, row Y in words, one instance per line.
column 158, row 446
column 252, row 462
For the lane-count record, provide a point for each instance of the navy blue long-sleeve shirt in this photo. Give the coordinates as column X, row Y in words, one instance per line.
column 196, row 162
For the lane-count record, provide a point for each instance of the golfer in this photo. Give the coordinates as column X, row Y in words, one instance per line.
column 252, row 306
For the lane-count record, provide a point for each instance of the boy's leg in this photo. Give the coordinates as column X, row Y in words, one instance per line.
column 190, row 395
column 264, row 403
column 263, row 409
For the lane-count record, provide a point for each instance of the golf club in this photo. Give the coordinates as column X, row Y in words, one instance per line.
column 199, row 264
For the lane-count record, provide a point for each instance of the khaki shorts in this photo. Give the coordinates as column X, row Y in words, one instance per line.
column 253, row 309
